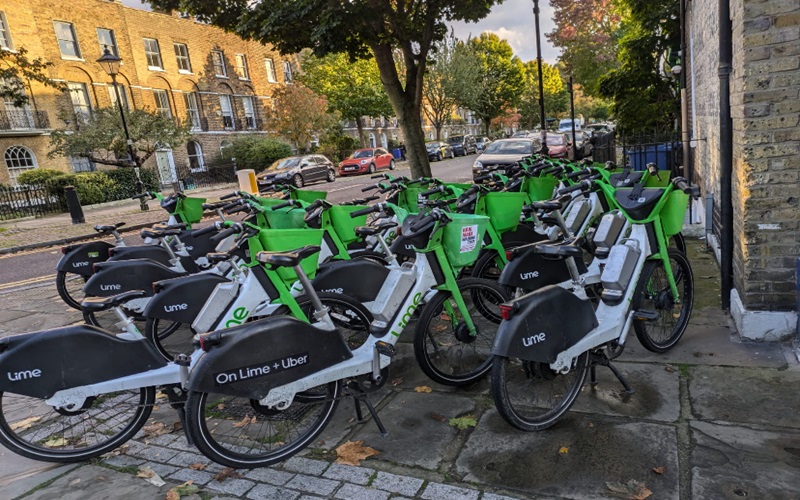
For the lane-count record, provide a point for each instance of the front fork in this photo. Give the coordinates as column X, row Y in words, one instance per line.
column 663, row 254
column 451, row 286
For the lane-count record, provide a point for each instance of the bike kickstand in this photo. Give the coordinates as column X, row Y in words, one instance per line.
column 182, row 417
column 359, row 415
column 628, row 388
column 593, row 376
column 374, row 414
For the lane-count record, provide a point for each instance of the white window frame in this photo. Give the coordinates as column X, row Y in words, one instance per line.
column 148, row 52
column 214, row 55
column 113, row 47
column 176, row 46
column 6, row 42
column 73, row 41
column 160, row 108
column 270, row 66
column 78, row 163
column 249, row 114
column 288, row 77
column 226, row 102
column 13, row 164
column 241, row 67
column 126, row 103
column 193, row 113
column 201, row 162
column 82, row 110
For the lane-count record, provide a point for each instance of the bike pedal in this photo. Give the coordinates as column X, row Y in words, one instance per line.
column 645, row 315
column 385, row 348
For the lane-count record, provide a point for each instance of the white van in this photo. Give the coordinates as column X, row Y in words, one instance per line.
column 565, row 125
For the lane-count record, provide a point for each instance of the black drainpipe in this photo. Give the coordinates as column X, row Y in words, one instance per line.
column 725, row 152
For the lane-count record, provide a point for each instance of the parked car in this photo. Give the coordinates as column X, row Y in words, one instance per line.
column 565, row 125
column 366, row 160
column 438, row 150
column 298, row 170
column 505, row 153
column 463, row 145
column 481, row 143
column 520, row 133
column 583, row 144
column 598, row 128
column 560, row 146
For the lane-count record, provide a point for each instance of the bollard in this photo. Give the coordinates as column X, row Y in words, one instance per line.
column 74, row 205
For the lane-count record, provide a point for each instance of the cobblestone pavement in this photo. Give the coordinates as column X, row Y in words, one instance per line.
column 713, row 418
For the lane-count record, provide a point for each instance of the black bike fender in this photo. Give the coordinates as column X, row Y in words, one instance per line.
column 182, row 299
column 361, row 279
column 254, row 358
column 531, row 271
column 79, row 259
column 403, row 246
column 523, row 234
column 543, row 324
column 126, row 275
column 152, row 252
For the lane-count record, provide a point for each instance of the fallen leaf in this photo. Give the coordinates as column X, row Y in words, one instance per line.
column 145, row 472
column 155, row 429
column 220, row 406
column 198, row 466
column 563, row 450
column 397, row 381
column 161, row 395
column 245, row 421
column 590, row 425
column 25, row 424
column 353, row 452
column 659, row 470
column 463, row 423
column 177, row 426
column 440, row 418
column 423, row 388
column 632, row 490
column 150, row 476
column 226, row 473
column 183, row 490
column 445, row 317
column 155, row 407
column 55, row 442
column 172, row 495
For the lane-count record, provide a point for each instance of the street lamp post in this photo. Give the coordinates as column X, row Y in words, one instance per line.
column 110, row 64
column 572, row 116
column 541, row 82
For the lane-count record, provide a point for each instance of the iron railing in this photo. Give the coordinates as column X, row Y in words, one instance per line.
column 23, row 119
column 29, row 201
column 636, row 151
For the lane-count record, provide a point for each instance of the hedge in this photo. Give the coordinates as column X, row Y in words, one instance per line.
column 92, row 187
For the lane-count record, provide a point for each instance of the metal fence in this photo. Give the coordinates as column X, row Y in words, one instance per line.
column 210, row 176
column 636, row 151
column 29, row 201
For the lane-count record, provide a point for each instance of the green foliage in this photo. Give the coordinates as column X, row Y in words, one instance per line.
column 300, row 115
column 17, row 72
column 256, row 153
column 338, row 146
column 101, row 137
column 38, row 176
column 502, row 77
column 125, row 182
column 463, row 423
column 92, row 187
column 556, row 98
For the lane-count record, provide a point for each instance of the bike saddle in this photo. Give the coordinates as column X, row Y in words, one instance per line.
column 161, row 226
column 96, row 304
column 625, row 179
column 569, row 248
column 549, row 205
column 372, row 230
column 159, row 233
column 107, row 228
column 286, row 259
column 216, row 257
column 638, row 206
column 214, row 206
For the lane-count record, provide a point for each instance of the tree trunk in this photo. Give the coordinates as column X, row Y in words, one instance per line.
column 360, row 127
column 438, row 128
column 486, row 125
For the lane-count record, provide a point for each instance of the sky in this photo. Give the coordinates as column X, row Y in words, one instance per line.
column 511, row 20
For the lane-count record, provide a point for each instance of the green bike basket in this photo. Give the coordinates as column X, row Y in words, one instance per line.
column 269, row 202
column 674, row 212
column 409, row 199
column 343, row 224
column 504, row 210
column 285, row 240
column 284, row 218
column 308, row 196
column 540, row 188
column 192, row 209
column 462, row 238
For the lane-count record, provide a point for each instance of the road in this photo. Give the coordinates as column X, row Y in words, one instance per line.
column 20, row 271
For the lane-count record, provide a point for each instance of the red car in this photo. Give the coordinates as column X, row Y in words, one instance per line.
column 560, row 146
column 366, row 160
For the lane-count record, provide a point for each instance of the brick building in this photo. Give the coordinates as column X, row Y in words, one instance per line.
column 764, row 106
column 171, row 63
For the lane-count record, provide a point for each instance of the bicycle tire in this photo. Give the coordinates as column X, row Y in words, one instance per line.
column 63, row 289
column 653, row 294
column 107, row 320
column 350, row 316
column 512, row 401
column 175, row 339
column 20, row 436
column 447, row 354
column 226, row 442
column 486, row 267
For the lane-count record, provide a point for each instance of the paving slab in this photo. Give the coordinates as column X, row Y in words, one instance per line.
column 404, row 372
column 657, row 395
column 573, row 459
column 344, row 420
column 418, row 428
column 731, row 462
column 20, row 475
column 755, row 396
column 92, row 482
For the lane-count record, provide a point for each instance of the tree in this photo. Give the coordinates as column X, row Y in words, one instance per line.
column 591, row 107
column 299, row 115
column 502, row 78
column 100, row 137
column 357, row 28
column 354, row 89
column 556, row 99
column 17, row 72
column 453, row 79
column 645, row 101
column 257, row 153
column 587, row 33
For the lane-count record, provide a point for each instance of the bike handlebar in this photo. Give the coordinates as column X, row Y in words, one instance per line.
column 682, row 184
column 226, row 232
column 229, row 196
column 204, row 230
column 365, row 211
column 285, row 204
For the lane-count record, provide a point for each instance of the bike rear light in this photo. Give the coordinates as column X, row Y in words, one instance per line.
column 507, row 311
column 64, row 250
column 509, row 255
column 202, row 342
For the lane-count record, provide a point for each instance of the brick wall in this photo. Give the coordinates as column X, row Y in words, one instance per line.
column 31, row 26
column 765, row 108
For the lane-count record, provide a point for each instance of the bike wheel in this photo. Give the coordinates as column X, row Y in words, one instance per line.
column 443, row 346
column 39, row 431
column 351, row 318
column 169, row 337
column 653, row 294
column 238, row 432
column 70, row 288
column 532, row 397
column 107, row 320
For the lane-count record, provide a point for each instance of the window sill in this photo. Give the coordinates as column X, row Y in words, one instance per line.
column 244, row 79
column 272, row 81
column 222, row 76
column 184, row 72
column 71, row 58
column 156, row 68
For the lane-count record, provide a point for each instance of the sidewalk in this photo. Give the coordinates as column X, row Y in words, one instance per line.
column 713, row 418
column 59, row 228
